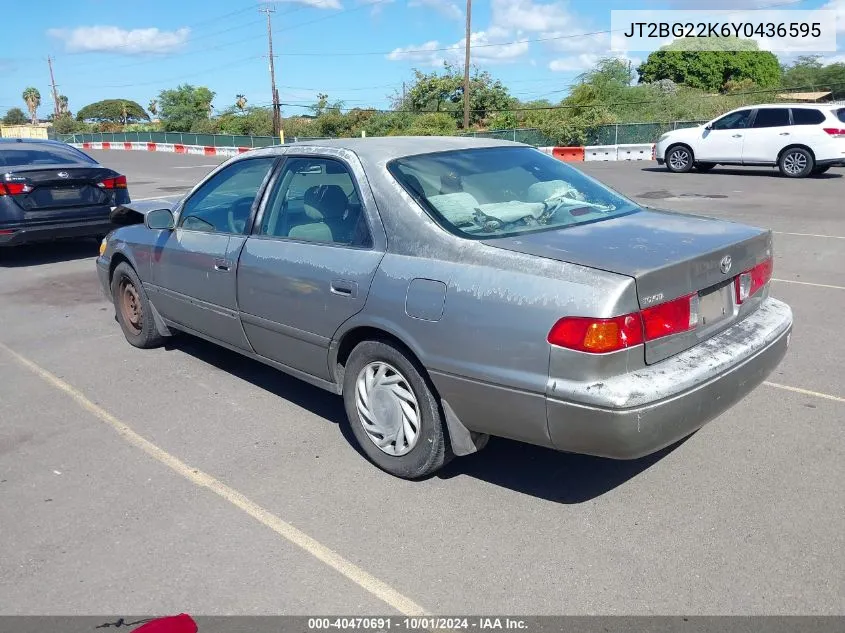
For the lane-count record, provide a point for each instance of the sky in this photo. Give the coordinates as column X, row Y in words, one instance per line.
column 356, row 51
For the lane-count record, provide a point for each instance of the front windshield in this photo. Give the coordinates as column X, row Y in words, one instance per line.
column 503, row 191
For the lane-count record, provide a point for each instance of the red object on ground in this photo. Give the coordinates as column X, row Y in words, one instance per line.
column 569, row 154
column 182, row 623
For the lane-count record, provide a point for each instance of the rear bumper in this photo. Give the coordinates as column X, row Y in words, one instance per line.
column 635, row 414
column 27, row 233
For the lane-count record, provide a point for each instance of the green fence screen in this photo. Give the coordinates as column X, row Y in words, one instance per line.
column 614, row 134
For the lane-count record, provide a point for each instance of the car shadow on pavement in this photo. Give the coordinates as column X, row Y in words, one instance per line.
column 548, row 474
column 748, row 171
column 531, row 470
column 47, row 253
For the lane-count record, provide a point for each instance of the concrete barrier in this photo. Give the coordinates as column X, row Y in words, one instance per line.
column 635, row 151
column 601, row 152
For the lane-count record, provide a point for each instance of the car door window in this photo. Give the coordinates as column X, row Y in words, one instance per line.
column 806, row 116
column 733, row 121
column 223, row 203
column 771, row 117
column 315, row 200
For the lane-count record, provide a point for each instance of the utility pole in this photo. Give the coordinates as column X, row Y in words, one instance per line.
column 53, row 83
column 466, row 66
column 277, row 108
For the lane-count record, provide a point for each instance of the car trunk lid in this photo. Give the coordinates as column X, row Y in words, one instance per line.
column 59, row 192
column 669, row 256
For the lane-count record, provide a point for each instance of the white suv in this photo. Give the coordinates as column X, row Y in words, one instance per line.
column 800, row 139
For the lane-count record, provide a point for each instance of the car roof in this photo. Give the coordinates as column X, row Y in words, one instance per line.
column 382, row 148
column 826, row 106
column 32, row 141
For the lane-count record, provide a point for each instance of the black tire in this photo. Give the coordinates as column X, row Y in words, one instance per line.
column 132, row 308
column 796, row 162
column 820, row 169
column 704, row 166
column 679, row 159
column 431, row 450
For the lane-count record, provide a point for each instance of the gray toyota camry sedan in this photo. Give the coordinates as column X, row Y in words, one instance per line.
column 450, row 289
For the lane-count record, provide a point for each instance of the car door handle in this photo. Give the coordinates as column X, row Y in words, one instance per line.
column 344, row 288
column 223, row 265
column 736, row 135
column 784, row 134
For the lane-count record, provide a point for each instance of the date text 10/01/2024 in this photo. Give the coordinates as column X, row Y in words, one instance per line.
column 417, row 623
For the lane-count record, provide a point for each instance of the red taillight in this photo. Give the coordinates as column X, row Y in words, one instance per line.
column 118, row 182
column 14, row 188
column 672, row 317
column 836, row 132
column 751, row 281
column 597, row 336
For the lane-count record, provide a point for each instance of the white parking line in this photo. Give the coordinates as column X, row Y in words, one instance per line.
column 805, row 392
column 807, row 283
column 832, row 237
column 363, row 579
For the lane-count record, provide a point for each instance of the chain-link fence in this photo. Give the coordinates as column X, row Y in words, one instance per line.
column 613, row 134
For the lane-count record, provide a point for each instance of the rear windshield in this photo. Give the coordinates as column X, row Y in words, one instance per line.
column 23, row 154
column 841, row 114
column 503, row 191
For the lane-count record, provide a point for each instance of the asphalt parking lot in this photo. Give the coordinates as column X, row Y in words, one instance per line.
column 248, row 496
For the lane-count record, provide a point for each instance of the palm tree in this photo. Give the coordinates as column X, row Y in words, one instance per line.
column 153, row 107
column 33, row 99
column 63, row 105
column 241, row 102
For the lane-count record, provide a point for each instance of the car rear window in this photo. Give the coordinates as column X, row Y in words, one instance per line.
column 23, row 154
column 771, row 117
column 840, row 114
column 806, row 116
column 503, row 191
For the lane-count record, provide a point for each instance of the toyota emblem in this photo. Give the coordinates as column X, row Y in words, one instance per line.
column 63, row 174
column 725, row 264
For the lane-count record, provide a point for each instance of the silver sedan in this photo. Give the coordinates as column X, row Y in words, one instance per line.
column 451, row 289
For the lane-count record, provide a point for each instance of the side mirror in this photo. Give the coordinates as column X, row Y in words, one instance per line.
column 708, row 127
column 159, row 219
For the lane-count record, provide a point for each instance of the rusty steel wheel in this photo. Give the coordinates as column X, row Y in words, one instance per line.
column 133, row 309
column 130, row 306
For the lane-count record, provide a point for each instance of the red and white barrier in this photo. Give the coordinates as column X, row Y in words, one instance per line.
column 579, row 154
column 197, row 150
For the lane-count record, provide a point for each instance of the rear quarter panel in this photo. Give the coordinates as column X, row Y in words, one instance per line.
column 487, row 354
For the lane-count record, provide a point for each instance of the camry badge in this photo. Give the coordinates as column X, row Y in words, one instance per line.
column 725, row 264
column 63, row 174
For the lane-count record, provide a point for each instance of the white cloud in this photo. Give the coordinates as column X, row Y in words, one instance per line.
column 317, row 4
column 526, row 15
column 839, row 7
column 444, row 7
column 574, row 63
column 113, row 39
column 494, row 45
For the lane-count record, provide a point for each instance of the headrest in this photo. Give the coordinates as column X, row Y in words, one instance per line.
column 333, row 202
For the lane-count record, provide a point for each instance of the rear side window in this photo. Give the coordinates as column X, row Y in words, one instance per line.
column 23, row 154
column 806, row 116
column 840, row 114
column 771, row 117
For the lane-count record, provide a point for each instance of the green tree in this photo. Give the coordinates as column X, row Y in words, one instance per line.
column 686, row 62
column 64, row 107
column 808, row 73
column 444, row 92
column 14, row 116
column 182, row 107
column 32, row 98
column 240, row 102
column 152, row 107
column 117, row 111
